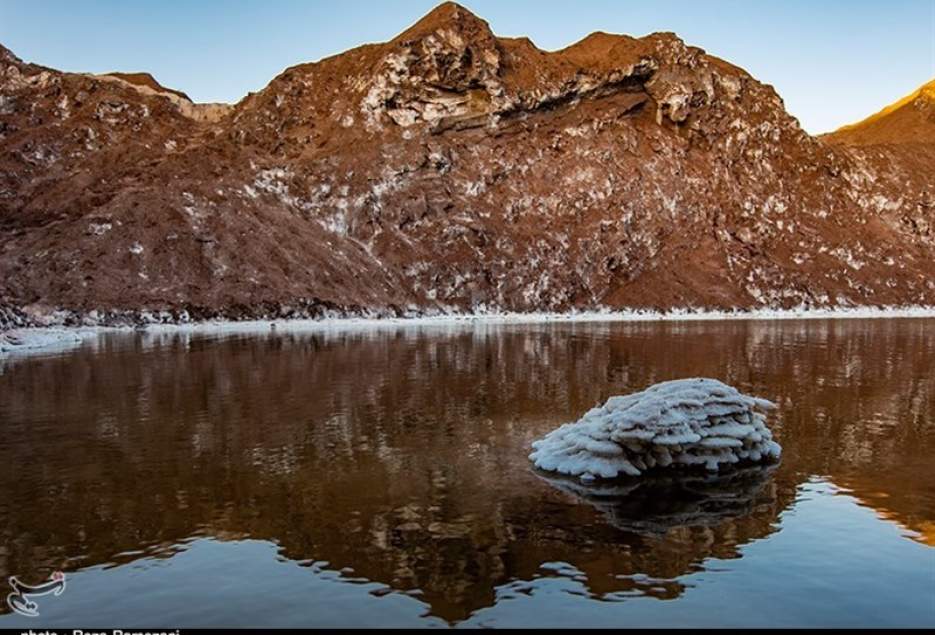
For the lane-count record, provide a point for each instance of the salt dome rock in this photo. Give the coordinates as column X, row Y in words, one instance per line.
column 685, row 422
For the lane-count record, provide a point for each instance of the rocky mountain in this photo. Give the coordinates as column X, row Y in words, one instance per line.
column 448, row 170
column 909, row 120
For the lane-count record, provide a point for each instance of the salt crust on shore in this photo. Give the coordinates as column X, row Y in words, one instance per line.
column 27, row 340
column 37, row 339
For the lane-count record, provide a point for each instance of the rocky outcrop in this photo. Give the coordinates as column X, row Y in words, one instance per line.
column 449, row 170
column 145, row 80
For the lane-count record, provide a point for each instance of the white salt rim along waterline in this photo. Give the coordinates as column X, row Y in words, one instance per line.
column 683, row 422
column 53, row 338
column 24, row 341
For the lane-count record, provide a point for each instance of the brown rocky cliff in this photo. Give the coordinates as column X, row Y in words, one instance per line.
column 451, row 170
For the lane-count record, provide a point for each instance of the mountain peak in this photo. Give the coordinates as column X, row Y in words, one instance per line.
column 447, row 16
column 909, row 119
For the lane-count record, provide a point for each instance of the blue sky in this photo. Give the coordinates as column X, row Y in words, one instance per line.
column 832, row 61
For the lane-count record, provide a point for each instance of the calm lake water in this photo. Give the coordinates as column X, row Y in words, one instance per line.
column 379, row 478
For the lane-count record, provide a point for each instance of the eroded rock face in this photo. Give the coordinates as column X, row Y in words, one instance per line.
column 450, row 170
column 437, row 74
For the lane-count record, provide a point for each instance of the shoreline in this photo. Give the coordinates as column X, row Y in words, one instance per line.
column 40, row 339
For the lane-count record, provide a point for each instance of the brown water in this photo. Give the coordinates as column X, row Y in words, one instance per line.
column 379, row 477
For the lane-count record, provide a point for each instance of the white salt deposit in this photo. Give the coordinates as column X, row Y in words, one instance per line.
column 19, row 340
column 447, row 318
column 682, row 422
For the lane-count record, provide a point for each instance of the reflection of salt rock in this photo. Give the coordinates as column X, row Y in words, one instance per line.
column 675, row 423
column 658, row 502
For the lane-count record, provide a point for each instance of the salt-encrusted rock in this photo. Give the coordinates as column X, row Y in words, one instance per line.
column 675, row 423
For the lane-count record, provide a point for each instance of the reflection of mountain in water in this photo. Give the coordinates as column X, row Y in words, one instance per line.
column 401, row 454
column 885, row 494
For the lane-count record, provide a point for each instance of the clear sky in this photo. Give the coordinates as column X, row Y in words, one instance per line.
column 832, row 61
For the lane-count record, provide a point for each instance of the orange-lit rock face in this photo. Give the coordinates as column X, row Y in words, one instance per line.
column 909, row 120
column 449, row 170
